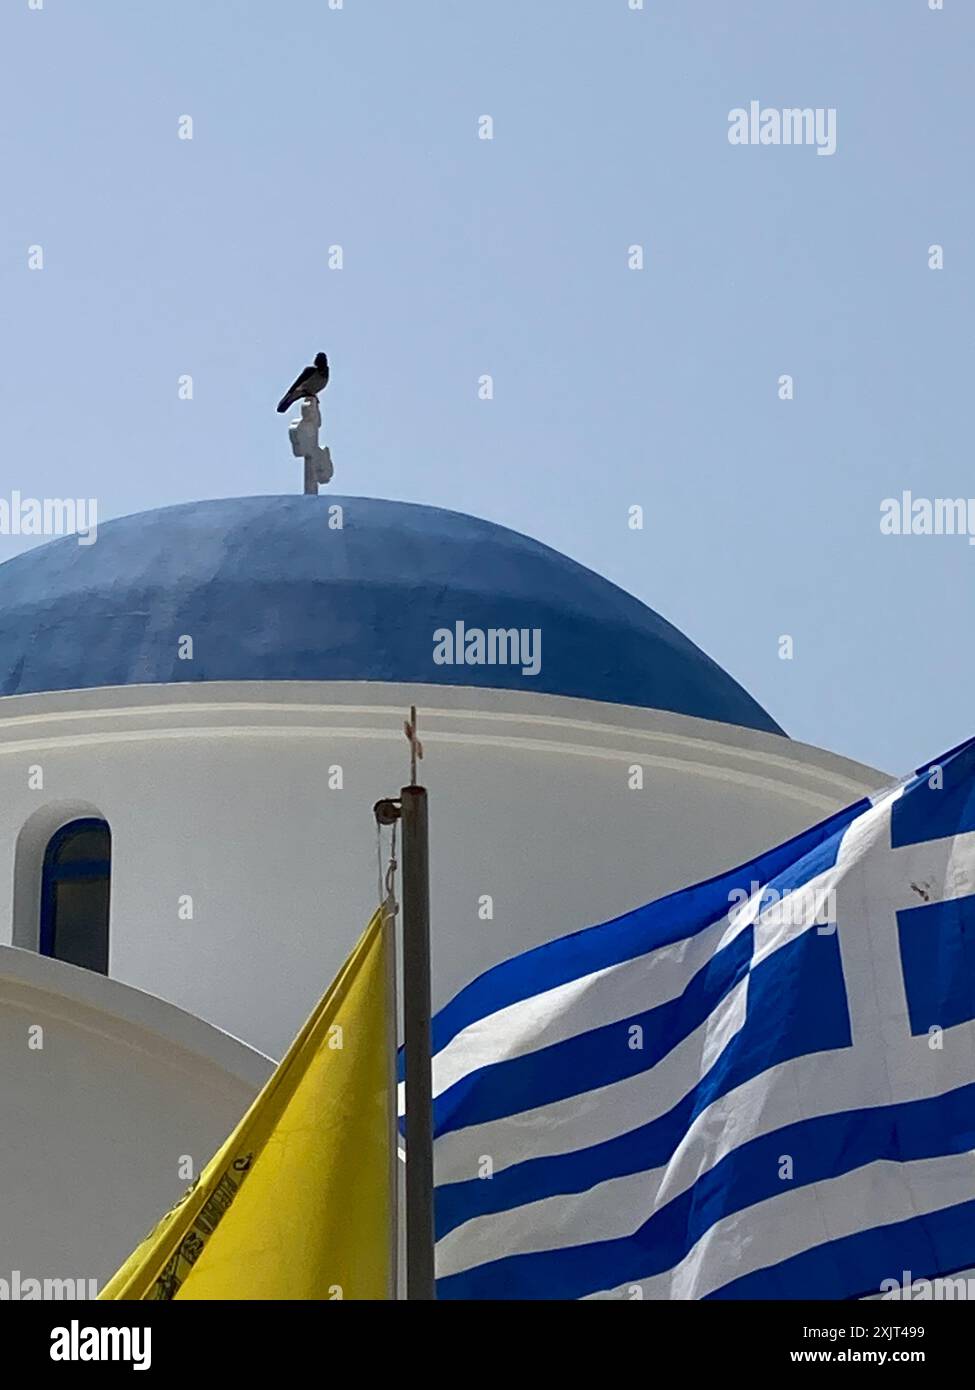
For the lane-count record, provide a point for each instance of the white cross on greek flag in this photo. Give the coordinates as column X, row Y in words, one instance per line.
column 762, row 1086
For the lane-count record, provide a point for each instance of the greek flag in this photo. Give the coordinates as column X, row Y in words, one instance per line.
column 762, row 1086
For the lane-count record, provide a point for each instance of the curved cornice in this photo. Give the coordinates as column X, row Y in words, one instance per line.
column 354, row 710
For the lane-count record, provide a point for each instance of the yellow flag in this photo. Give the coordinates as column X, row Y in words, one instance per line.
column 299, row 1202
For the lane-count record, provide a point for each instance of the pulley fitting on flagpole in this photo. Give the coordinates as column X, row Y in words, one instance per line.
column 387, row 811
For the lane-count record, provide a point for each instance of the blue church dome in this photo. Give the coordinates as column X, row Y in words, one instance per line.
column 269, row 591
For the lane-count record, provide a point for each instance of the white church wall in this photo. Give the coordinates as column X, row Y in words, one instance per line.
column 219, row 803
column 113, row 1101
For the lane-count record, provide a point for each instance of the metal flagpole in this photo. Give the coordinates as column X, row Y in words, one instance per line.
column 412, row 811
column 416, row 1035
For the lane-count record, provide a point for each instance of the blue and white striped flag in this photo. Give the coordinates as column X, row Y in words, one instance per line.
column 762, row 1086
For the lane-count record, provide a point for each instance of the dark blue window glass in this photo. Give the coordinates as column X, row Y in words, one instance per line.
column 75, row 895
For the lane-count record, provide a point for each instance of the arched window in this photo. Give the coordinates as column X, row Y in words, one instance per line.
column 74, row 894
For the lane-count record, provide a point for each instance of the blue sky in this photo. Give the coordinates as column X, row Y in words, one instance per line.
column 358, row 127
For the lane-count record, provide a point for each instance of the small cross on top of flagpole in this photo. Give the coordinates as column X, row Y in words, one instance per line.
column 416, row 747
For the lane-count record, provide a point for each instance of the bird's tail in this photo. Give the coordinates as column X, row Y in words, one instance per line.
column 284, row 402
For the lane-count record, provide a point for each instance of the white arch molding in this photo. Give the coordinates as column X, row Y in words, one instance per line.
column 31, row 844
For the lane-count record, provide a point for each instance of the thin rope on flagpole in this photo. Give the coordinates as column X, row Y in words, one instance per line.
column 386, row 879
